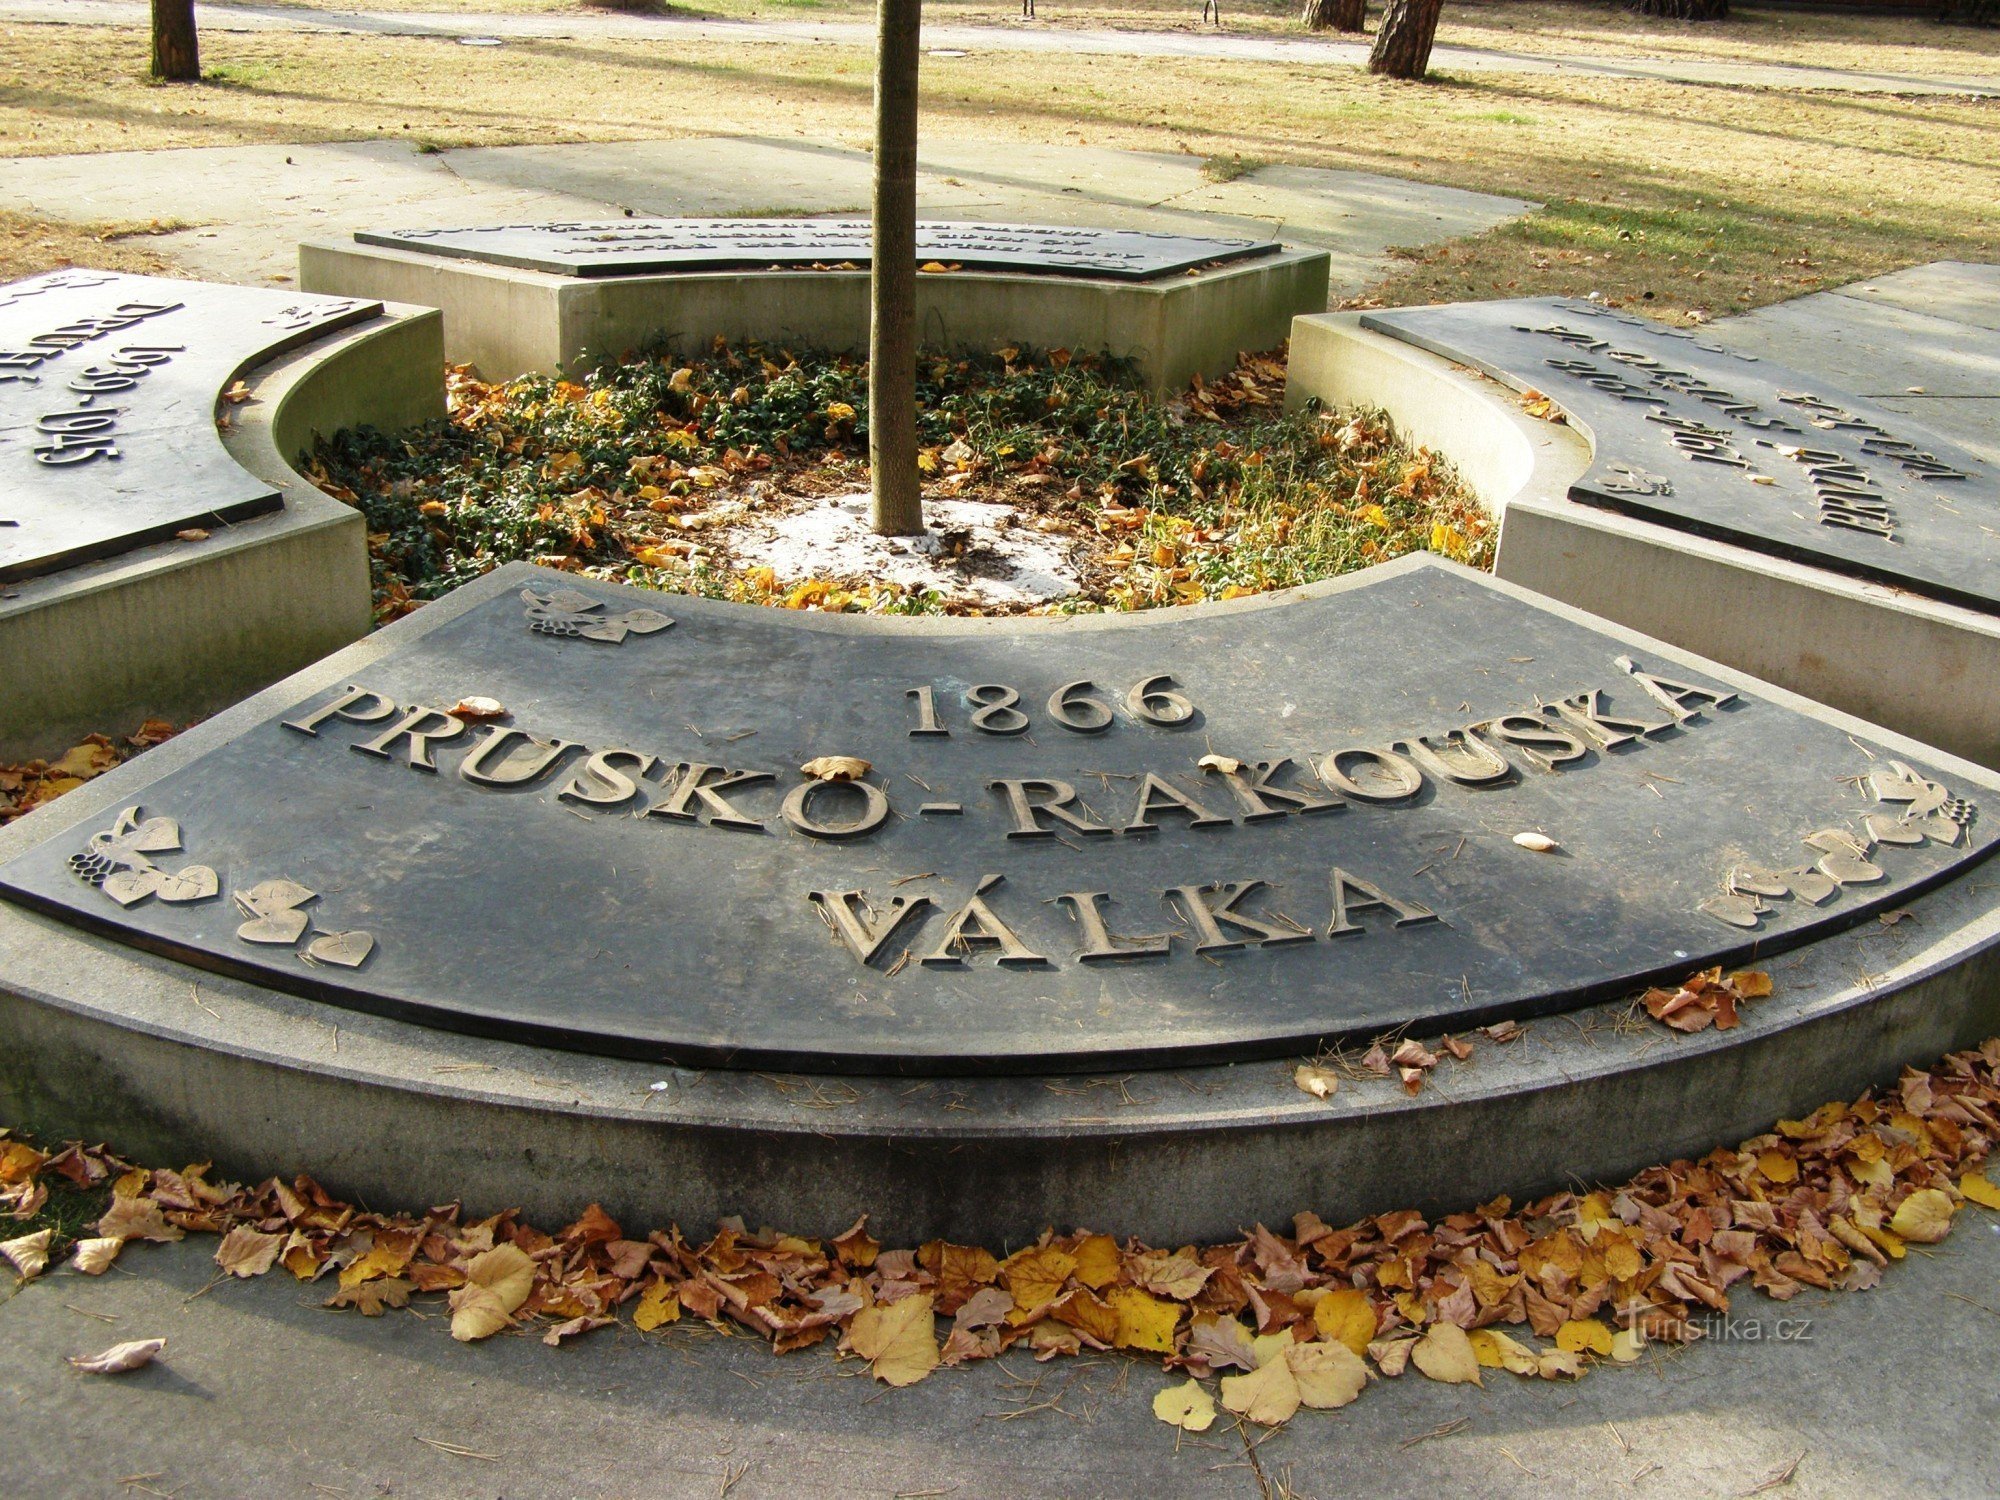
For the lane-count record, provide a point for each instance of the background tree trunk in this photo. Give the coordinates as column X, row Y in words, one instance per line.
column 176, row 55
column 1403, row 45
column 1684, row 10
column 896, row 507
column 1335, row 15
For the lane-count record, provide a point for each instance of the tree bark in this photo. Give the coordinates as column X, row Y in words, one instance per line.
column 176, row 54
column 1684, row 10
column 896, row 507
column 1403, row 45
column 1335, row 15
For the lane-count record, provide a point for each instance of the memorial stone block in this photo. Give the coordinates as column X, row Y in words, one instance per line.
column 108, row 392
column 1724, row 445
column 631, row 247
column 725, row 835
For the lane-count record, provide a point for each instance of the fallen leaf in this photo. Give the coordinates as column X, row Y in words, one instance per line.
column 1096, row 1261
column 1346, row 1316
column 1924, row 1217
column 1036, row 1275
column 245, row 1252
column 573, row 1327
column 835, row 768
column 497, row 1282
column 1317, row 1081
column 1223, row 763
column 138, row 1219
column 1978, row 1188
column 119, row 1358
column 1268, row 1395
column 373, row 1297
column 1188, row 1407
column 658, row 1306
column 1327, row 1375
column 478, row 708
column 1579, row 1335
column 1541, row 843
column 1445, row 1355
column 899, row 1341
column 93, row 1257
column 30, row 1253
column 1144, row 1321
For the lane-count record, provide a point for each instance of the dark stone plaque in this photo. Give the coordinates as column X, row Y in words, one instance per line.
column 108, row 389
column 1728, row 446
column 1036, row 868
column 635, row 247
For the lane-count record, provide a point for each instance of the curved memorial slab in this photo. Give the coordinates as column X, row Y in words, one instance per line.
column 1151, row 841
column 108, row 392
column 192, row 943
column 536, row 297
column 1695, row 436
column 624, row 247
column 159, row 557
column 1748, row 512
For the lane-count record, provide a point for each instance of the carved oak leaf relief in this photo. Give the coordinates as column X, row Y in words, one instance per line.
column 567, row 612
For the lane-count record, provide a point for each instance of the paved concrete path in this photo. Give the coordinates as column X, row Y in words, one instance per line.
column 1022, row 37
column 258, row 202
column 261, row 1392
column 1925, row 341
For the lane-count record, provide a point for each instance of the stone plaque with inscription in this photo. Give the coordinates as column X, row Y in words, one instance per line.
column 726, row 835
column 634, row 247
column 1694, row 436
column 108, row 392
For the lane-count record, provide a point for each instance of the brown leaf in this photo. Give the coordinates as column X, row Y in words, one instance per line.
column 119, row 1358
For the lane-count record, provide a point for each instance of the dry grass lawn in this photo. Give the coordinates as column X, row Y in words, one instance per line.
column 1908, row 44
column 1674, row 197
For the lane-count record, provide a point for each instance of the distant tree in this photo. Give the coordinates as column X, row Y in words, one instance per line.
column 1683, row 10
column 176, row 54
column 896, row 505
column 1403, row 45
column 1335, row 15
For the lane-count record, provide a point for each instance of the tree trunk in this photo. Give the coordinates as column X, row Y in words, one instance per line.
column 176, row 56
column 1684, row 10
column 1403, row 45
column 1335, row 15
column 897, row 507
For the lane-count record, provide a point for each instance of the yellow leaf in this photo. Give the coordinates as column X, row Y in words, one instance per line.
column 1978, row 1188
column 1328, row 1375
column 1268, row 1346
column 1498, row 1351
column 1445, row 1354
column 658, row 1306
column 1097, row 1261
column 1876, row 1174
column 1925, row 1216
column 1374, row 515
column 1346, row 1316
column 387, row 1258
column 1580, row 1334
column 899, row 1341
column 1036, row 1275
column 497, row 1282
column 1626, row 1344
column 1268, row 1396
column 839, row 411
column 1144, row 1321
column 1187, row 1407
column 1778, row 1167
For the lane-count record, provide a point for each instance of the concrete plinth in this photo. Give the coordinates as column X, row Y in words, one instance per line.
column 1929, row 669
column 506, row 321
column 183, row 628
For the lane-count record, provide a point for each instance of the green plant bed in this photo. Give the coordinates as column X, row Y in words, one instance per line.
column 654, row 470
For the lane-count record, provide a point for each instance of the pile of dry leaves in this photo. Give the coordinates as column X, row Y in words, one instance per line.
column 1308, row 1317
column 27, row 786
